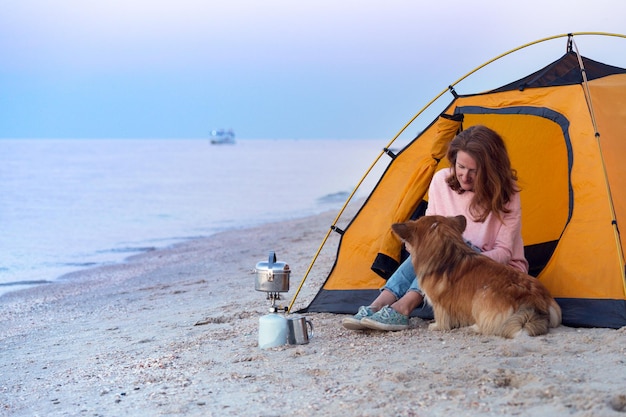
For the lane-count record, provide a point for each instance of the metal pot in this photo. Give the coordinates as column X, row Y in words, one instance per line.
column 272, row 276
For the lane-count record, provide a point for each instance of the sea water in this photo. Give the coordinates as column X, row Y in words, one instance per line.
column 67, row 205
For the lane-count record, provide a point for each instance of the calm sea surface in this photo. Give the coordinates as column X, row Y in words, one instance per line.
column 67, row 205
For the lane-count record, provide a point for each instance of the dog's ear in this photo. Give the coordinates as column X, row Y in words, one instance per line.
column 402, row 230
column 460, row 223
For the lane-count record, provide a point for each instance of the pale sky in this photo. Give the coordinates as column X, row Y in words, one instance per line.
column 271, row 68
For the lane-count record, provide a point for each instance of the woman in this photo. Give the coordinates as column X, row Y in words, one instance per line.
column 482, row 186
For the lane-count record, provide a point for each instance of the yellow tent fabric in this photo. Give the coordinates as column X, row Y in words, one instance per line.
column 567, row 140
column 402, row 203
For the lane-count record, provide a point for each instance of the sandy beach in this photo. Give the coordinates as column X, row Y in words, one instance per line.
column 175, row 332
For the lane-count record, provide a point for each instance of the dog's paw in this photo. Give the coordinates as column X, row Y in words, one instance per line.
column 434, row 326
column 475, row 328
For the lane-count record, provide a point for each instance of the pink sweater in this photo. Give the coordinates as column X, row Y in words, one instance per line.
column 499, row 240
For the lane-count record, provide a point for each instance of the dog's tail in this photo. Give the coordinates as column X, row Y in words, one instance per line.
column 526, row 319
column 555, row 314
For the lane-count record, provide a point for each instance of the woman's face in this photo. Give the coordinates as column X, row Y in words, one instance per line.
column 465, row 170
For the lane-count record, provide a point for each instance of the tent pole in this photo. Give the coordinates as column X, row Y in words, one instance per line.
column 587, row 93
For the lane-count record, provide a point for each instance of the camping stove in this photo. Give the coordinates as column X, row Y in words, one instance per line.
column 272, row 278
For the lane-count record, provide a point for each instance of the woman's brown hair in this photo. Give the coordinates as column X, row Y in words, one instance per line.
column 495, row 182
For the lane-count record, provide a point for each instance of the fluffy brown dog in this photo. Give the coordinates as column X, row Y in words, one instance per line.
column 466, row 288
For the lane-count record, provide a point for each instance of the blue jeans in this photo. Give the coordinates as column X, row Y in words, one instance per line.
column 404, row 280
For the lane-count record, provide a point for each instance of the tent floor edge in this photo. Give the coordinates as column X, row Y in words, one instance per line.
column 349, row 301
column 340, row 301
column 577, row 312
column 589, row 312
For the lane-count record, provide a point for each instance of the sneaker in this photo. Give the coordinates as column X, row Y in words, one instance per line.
column 386, row 319
column 354, row 322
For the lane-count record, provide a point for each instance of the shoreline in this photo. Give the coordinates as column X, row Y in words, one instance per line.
column 175, row 332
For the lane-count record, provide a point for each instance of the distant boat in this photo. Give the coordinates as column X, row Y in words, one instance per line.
column 221, row 137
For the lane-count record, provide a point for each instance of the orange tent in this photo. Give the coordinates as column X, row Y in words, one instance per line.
column 565, row 128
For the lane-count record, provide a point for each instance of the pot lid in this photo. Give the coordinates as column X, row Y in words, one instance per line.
column 272, row 265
